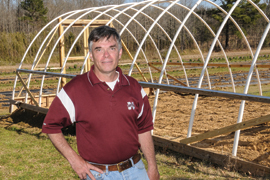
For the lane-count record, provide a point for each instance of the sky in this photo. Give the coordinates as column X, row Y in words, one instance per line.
column 189, row 3
column 206, row 4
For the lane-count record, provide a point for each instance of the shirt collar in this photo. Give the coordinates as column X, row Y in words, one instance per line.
column 123, row 80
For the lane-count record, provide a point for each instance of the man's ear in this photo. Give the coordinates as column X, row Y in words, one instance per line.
column 91, row 56
column 120, row 53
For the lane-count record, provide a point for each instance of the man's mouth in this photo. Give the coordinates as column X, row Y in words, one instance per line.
column 106, row 61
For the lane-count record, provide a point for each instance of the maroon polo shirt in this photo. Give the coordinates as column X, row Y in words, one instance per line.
column 107, row 122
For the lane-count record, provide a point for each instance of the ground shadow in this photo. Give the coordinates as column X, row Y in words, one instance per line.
column 26, row 119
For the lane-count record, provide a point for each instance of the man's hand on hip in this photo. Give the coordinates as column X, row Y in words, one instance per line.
column 78, row 164
column 82, row 168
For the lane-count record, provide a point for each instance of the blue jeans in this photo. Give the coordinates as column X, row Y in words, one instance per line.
column 137, row 172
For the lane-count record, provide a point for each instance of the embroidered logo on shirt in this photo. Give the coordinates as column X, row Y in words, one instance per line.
column 130, row 105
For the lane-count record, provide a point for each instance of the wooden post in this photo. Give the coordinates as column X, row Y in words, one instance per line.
column 47, row 101
column 62, row 51
column 86, row 49
column 213, row 64
column 88, row 60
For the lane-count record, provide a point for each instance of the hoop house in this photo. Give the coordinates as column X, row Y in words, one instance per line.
column 154, row 37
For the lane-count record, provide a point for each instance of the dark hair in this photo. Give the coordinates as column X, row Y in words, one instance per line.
column 103, row 32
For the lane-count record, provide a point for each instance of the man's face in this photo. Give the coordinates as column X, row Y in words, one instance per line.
column 105, row 55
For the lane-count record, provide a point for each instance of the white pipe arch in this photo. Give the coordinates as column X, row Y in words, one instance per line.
column 126, row 16
column 247, row 43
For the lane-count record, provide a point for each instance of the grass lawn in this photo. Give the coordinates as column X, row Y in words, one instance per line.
column 26, row 153
column 25, row 156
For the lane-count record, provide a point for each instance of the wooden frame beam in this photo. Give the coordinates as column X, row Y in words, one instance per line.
column 62, row 52
column 131, row 57
column 83, row 22
column 25, row 87
column 29, row 107
column 227, row 129
column 213, row 64
column 175, row 79
column 74, row 58
column 227, row 161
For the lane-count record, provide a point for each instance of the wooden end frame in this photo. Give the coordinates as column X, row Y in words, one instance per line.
column 78, row 23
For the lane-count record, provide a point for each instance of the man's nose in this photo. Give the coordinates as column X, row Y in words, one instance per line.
column 106, row 53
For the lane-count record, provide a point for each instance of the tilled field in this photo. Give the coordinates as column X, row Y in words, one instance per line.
column 173, row 114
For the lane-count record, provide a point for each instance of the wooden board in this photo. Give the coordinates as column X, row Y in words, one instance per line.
column 227, row 129
column 29, row 107
column 230, row 162
column 83, row 22
column 76, row 58
column 213, row 64
column 183, row 84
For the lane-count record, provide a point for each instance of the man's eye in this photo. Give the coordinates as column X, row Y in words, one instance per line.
column 113, row 48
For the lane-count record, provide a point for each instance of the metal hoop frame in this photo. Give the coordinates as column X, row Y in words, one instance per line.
column 131, row 11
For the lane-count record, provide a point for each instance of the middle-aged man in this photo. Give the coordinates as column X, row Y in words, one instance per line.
column 112, row 116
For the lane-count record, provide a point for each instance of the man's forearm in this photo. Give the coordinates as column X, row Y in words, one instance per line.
column 147, row 147
column 78, row 164
column 63, row 147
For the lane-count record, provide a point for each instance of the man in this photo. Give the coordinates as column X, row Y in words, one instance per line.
column 112, row 115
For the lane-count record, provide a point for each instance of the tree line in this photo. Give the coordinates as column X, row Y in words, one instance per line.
column 22, row 19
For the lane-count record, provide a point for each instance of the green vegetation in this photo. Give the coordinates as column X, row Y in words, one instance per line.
column 27, row 153
column 35, row 11
column 14, row 45
column 25, row 156
column 25, row 18
column 254, row 89
column 244, row 14
column 180, row 73
column 232, row 59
